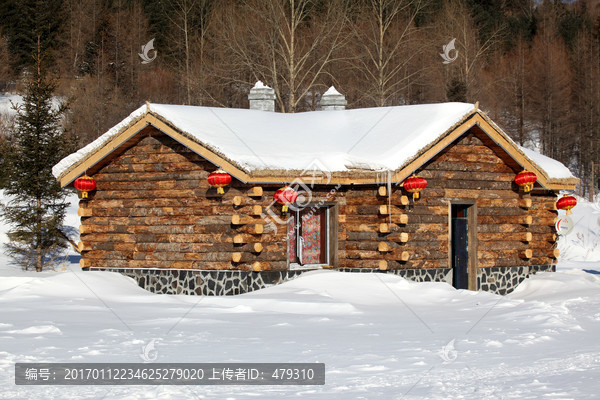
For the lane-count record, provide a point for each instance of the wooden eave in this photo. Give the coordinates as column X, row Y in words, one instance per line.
column 499, row 137
column 284, row 177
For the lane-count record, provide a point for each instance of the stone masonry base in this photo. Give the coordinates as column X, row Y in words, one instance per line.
column 500, row 280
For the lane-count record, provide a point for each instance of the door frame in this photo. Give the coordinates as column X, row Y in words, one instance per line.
column 471, row 239
column 331, row 228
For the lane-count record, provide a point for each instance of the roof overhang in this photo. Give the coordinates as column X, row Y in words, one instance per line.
column 286, row 176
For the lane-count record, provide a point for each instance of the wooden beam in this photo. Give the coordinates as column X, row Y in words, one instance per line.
column 237, row 219
column 526, row 203
column 258, row 247
column 257, row 210
column 400, row 219
column 382, row 191
column 83, row 247
column 256, row 266
column 527, row 254
column 401, row 237
column 384, row 228
column 383, row 265
column 84, row 212
column 383, row 247
column 250, row 228
column 255, row 191
column 555, row 253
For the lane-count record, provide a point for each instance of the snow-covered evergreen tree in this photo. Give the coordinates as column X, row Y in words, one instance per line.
column 37, row 206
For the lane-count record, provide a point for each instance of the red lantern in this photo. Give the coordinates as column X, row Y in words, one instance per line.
column 566, row 203
column 414, row 185
column 285, row 196
column 526, row 179
column 219, row 179
column 84, row 184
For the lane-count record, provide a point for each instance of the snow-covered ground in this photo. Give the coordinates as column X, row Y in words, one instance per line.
column 381, row 337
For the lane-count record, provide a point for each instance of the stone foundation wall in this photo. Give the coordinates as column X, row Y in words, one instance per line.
column 500, row 280
column 503, row 280
column 203, row 282
column 413, row 274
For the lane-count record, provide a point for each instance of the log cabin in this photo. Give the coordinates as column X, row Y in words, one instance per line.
column 192, row 200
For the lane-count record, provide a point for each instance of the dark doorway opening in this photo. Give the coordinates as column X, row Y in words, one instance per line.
column 459, row 243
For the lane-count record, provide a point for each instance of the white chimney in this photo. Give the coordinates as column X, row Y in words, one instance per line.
column 332, row 100
column 262, row 97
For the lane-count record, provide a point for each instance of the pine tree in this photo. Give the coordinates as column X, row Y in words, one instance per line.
column 37, row 207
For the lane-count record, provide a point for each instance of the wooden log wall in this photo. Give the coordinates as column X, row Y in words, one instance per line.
column 513, row 228
column 154, row 209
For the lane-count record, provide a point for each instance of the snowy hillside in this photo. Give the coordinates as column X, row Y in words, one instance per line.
column 380, row 337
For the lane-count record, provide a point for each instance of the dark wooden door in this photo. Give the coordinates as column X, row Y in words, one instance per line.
column 460, row 247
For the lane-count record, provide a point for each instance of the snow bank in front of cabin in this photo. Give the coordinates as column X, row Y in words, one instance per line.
column 380, row 336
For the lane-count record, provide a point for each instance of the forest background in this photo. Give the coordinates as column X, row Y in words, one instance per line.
column 534, row 66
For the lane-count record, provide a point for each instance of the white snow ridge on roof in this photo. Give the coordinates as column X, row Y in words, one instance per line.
column 383, row 138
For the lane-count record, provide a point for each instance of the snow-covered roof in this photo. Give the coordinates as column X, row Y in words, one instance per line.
column 385, row 138
column 553, row 168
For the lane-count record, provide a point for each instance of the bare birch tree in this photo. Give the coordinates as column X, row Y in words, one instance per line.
column 386, row 38
column 286, row 43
